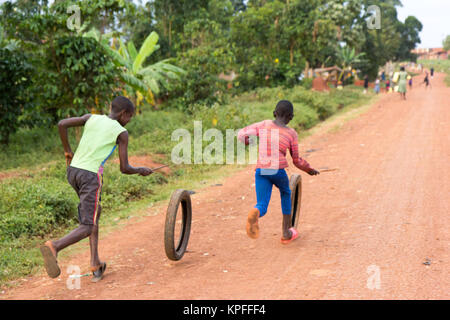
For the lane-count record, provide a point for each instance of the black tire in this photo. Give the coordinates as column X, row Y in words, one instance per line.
column 175, row 248
column 295, row 184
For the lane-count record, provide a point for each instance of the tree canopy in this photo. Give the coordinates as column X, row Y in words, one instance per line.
column 265, row 43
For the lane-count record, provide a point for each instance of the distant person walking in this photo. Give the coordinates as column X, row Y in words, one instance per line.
column 366, row 83
column 402, row 82
column 426, row 80
column 432, row 72
column 377, row 86
column 410, row 82
column 383, row 76
column 388, row 85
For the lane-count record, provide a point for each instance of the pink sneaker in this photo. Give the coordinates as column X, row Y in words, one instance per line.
column 294, row 236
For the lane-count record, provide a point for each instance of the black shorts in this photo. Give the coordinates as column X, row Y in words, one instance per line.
column 88, row 186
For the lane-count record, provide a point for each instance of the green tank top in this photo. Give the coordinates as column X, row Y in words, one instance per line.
column 97, row 143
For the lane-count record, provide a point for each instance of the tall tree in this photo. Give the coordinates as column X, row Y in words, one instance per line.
column 446, row 43
column 73, row 74
column 171, row 17
column 409, row 34
column 15, row 78
column 381, row 45
column 205, row 51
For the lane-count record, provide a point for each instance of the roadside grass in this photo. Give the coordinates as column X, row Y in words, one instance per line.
column 39, row 203
column 350, row 111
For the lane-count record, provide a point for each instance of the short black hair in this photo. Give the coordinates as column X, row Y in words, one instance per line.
column 121, row 103
column 284, row 108
column 402, row 68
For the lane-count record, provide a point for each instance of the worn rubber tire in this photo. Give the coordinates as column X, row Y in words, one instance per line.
column 175, row 251
column 295, row 184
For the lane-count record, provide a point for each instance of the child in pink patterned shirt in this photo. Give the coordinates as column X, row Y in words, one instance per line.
column 275, row 138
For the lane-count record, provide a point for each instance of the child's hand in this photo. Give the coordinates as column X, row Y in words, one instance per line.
column 249, row 141
column 143, row 171
column 69, row 156
column 313, row 172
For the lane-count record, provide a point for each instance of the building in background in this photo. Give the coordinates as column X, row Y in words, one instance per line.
column 431, row 53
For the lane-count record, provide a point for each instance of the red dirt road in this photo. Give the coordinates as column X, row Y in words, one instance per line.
column 386, row 208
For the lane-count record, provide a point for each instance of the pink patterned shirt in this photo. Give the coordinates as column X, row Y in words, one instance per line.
column 273, row 144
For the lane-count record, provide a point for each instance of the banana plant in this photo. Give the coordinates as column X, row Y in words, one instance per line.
column 146, row 81
column 348, row 58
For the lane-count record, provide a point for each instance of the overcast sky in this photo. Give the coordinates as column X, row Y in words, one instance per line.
column 434, row 15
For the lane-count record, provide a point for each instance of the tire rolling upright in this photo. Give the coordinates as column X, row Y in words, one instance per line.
column 175, row 248
column 295, row 184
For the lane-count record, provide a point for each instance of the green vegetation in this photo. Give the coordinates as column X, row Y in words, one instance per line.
column 14, row 75
column 348, row 58
column 145, row 81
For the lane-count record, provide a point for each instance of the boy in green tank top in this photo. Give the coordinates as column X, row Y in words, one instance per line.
column 100, row 137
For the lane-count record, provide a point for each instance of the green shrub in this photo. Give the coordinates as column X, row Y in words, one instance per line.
column 307, row 83
column 272, row 94
column 320, row 102
column 304, row 117
column 30, row 147
column 34, row 207
column 80, row 76
column 165, row 120
column 120, row 188
column 14, row 81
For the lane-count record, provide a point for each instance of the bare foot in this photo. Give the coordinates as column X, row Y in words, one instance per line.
column 294, row 235
column 50, row 263
column 52, row 248
column 287, row 235
column 252, row 223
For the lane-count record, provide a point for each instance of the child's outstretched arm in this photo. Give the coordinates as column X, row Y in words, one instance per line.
column 62, row 128
column 299, row 162
column 125, row 167
column 251, row 130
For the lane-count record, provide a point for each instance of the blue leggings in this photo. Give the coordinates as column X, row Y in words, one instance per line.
column 264, row 180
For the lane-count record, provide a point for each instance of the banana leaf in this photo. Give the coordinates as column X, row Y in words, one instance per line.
column 116, row 57
column 147, row 48
column 132, row 50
